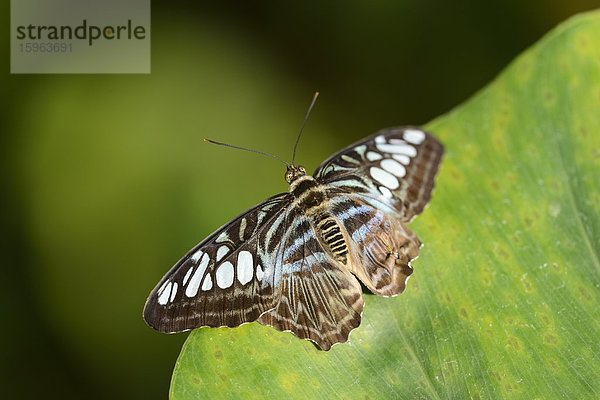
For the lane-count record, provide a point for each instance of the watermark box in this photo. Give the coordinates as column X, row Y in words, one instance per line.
column 80, row 36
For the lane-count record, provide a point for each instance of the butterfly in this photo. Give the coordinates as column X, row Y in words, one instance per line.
column 294, row 261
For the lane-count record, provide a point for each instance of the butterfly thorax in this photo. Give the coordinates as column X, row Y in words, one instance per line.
column 308, row 193
column 311, row 198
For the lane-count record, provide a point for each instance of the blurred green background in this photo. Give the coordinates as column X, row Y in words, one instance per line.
column 106, row 181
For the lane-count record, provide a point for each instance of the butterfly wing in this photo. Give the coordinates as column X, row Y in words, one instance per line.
column 395, row 166
column 375, row 186
column 316, row 297
column 380, row 246
column 223, row 281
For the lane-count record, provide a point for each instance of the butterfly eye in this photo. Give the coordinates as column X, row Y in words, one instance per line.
column 289, row 175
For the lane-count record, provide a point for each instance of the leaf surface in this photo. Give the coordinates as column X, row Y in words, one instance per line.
column 505, row 298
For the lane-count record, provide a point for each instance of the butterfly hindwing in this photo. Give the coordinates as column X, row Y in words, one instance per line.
column 395, row 165
column 316, row 298
column 380, row 246
column 222, row 281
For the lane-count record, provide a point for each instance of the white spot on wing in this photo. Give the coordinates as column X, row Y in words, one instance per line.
column 261, row 215
column 223, row 237
column 384, row 177
column 192, row 288
column 224, row 275
column 401, row 148
column 242, row 228
column 380, row 139
column 164, row 297
column 397, row 141
column 360, row 149
column 162, row 287
column 349, row 159
column 393, row 167
column 187, row 275
column 385, row 192
column 173, row 291
column 373, row 156
column 259, row 272
column 207, row 284
column 196, row 256
column 222, row 252
column 402, row 158
column 414, row 136
column 245, row 267
column 268, row 206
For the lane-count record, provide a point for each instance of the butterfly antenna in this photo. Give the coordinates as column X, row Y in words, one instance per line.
column 312, row 103
column 245, row 149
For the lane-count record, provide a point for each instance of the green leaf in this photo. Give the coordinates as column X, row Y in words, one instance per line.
column 505, row 298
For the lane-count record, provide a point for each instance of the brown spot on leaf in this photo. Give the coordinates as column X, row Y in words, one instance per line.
column 551, row 339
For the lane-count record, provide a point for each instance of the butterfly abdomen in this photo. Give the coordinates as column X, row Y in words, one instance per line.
column 331, row 234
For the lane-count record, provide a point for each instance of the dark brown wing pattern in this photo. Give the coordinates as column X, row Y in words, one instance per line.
column 224, row 280
column 316, row 297
column 396, row 166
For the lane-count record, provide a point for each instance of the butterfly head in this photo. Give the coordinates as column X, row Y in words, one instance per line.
column 294, row 172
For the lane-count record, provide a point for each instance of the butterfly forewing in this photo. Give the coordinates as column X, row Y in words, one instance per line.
column 396, row 166
column 224, row 280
